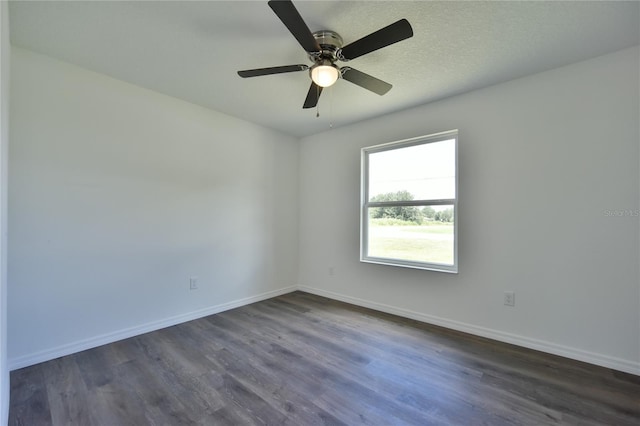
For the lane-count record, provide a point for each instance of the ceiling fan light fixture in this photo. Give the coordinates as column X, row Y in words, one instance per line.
column 324, row 74
column 324, row 48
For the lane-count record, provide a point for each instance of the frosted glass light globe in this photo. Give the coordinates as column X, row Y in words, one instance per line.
column 324, row 75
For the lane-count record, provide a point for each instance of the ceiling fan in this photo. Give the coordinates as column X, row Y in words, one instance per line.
column 325, row 49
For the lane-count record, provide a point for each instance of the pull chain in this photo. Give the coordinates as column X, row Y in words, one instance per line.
column 331, row 107
column 317, row 101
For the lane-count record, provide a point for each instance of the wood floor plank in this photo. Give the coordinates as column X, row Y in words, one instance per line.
column 28, row 397
column 301, row 359
column 160, row 406
column 288, row 399
column 192, row 381
column 116, row 403
column 67, row 391
column 250, row 403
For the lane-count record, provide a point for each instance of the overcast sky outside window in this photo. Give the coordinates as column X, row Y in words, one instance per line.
column 427, row 171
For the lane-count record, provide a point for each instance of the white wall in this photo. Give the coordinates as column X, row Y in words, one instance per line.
column 5, row 53
column 541, row 160
column 118, row 195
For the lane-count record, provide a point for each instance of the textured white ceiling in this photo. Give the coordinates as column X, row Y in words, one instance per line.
column 192, row 50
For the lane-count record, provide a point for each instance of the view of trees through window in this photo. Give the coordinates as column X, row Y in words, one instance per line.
column 416, row 215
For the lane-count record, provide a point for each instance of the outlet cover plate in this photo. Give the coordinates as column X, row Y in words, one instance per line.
column 509, row 298
column 193, row 283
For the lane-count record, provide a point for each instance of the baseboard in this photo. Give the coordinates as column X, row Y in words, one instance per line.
column 49, row 354
column 551, row 348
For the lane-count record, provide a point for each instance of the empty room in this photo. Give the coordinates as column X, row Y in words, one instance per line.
column 319, row 213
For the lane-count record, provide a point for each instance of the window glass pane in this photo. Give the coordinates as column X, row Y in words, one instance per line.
column 427, row 238
column 420, row 172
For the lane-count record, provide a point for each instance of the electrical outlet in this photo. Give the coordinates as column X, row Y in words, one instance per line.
column 510, row 298
column 193, row 283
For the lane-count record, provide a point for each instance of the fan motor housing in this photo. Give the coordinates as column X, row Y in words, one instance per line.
column 330, row 42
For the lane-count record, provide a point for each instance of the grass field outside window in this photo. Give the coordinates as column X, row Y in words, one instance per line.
column 430, row 242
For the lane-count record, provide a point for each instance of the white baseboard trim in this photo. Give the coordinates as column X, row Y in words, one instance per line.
column 552, row 348
column 68, row 349
column 540, row 345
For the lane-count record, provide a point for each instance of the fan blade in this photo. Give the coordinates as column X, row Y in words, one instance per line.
column 290, row 17
column 312, row 96
column 272, row 70
column 398, row 31
column 365, row 81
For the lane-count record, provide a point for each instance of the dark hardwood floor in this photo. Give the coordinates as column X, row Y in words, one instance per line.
column 301, row 359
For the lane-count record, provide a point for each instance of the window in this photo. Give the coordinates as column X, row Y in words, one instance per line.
column 409, row 203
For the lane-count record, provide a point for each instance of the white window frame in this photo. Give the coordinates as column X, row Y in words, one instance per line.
column 365, row 204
